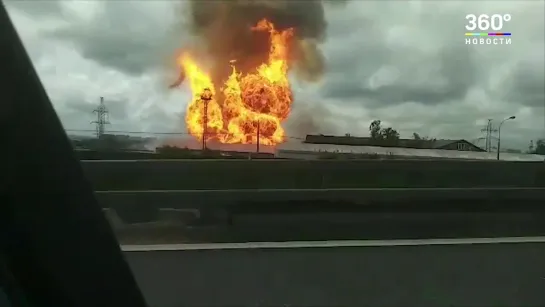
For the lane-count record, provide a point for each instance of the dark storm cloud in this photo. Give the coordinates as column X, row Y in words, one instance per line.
column 455, row 78
column 122, row 37
column 128, row 39
column 305, row 16
column 413, row 75
column 526, row 85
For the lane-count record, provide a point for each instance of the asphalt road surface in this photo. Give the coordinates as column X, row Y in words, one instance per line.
column 459, row 272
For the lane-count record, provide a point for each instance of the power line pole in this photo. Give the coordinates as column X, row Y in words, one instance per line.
column 499, row 135
column 488, row 135
column 102, row 118
column 258, row 136
column 206, row 96
column 491, row 136
column 488, row 139
column 531, row 147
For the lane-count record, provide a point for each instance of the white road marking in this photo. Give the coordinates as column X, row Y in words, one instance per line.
column 325, row 190
column 281, row 160
column 181, row 160
column 329, row 244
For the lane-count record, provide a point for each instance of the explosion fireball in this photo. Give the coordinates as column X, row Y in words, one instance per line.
column 248, row 107
column 240, row 55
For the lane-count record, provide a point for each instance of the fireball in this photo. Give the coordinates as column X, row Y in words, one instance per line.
column 246, row 106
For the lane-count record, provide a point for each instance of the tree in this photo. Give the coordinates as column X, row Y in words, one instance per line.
column 417, row 137
column 540, row 147
column 374, row 130
column 531, row 147
column 381, row 135
column 422, row 141
column 389, row 135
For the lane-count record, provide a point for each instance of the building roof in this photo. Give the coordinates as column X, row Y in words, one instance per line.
column 403, row 152
column 367, row 141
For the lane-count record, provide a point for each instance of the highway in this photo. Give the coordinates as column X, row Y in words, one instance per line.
column 405, row 259
column 458, row 272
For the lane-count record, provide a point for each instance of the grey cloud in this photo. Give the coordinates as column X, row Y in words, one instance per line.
column 158, row 120
column 37, row 9
column 78, row 114
column 309, row 118
column 123, row 37
column 72, row 119
column 454, row 80
column 418, row 75
column 117, row 109
column 526, row 85
column 79, row 107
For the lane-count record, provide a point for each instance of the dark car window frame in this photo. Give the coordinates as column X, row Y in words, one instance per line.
column 56, row 241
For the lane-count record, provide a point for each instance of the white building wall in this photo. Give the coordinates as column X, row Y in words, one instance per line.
column 314, row 151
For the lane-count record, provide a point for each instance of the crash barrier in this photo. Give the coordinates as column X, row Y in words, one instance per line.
column 176, row 154
column 199, row 199
column 295, row 174
column 145, row 206
column 113, row 155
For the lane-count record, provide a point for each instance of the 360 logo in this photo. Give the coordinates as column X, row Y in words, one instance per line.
column 483, row 22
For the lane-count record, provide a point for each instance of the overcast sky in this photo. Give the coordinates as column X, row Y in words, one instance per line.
column 404, row 62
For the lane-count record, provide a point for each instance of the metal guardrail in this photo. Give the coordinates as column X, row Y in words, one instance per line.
column 190, row 199
column 288, row 174
column 138, row 206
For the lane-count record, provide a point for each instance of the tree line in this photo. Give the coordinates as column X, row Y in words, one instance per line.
column 389, row 136
column 539, row 147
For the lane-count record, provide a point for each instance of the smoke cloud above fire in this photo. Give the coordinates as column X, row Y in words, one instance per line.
column 243, row 94
column 224, row 28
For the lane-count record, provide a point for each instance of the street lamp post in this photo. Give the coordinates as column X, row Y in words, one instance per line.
column 258, row 136
column 206, row 96
column 499, row 135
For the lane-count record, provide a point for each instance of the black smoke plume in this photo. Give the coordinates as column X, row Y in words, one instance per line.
column 225, row 27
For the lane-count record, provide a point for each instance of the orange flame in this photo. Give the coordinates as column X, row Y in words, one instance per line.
column 252, row 104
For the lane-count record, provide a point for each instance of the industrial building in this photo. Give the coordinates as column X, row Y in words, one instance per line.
column 324, row 147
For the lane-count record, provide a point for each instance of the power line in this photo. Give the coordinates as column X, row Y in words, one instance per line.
column 160, row 133
column 103, row 120
column 127, row 131
column 206, row 96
